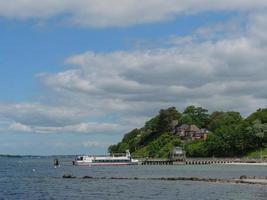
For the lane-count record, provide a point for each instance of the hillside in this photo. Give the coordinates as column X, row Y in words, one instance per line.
column 229, row 134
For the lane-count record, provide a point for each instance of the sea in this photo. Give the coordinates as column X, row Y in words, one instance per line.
column 30, row 178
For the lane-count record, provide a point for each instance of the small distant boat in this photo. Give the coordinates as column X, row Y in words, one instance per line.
column 112, row 160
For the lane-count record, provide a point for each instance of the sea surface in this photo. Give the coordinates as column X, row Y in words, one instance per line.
column 36, row 178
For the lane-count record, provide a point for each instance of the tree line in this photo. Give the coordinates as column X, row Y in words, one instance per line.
column 229, row 134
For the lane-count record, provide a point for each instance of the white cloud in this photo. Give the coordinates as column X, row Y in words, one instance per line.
column 91, row 143
column 258, row 26
column 88, row 128
column 39, row 114
column 231, row 67
column 116, row 91
column 40, row 118
column 107, row 13
column 20, row 127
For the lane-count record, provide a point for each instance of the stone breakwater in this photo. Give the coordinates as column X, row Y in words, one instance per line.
column 242, row 180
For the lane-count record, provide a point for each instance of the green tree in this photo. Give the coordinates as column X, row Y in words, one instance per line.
column 196, row 149
column 259, row 133
column 166, row 119
column 219, row 119
column 186, row 119
column 195, row 115
column 152, row 124
column 260, row 114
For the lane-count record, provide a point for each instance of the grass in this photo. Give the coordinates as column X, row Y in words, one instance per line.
column 257, row 153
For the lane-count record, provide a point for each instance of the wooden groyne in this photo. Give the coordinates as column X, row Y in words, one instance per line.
column 208, row 161
column 191, row 161
column 198, row 161
column 156, row 162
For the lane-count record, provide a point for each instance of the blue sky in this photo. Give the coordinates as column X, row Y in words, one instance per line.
column 28, row 48
column 75, row 78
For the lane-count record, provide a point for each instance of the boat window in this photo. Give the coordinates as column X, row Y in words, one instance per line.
column 111, row 161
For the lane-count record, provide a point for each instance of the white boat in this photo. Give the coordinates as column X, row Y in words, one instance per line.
column 112, row 160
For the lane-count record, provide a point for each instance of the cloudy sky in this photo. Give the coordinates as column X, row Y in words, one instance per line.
column 76, row 75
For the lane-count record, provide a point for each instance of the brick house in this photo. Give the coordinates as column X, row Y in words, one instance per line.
column 191, row 132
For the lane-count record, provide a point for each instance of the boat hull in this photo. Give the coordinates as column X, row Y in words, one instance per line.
column 103, row 164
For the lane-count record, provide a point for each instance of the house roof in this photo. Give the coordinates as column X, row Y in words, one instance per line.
column 191, row 128
column 183, row 126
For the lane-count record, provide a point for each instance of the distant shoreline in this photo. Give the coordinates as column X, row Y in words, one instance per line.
column 34, row 156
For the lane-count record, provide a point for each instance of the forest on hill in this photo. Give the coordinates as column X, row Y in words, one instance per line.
column 230, row 135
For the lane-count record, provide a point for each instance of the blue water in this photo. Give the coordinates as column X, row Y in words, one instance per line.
column 36, row 178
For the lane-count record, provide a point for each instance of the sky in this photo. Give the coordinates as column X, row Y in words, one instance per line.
column 75, row 76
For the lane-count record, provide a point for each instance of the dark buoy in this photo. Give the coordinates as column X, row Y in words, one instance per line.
column 56, row 163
